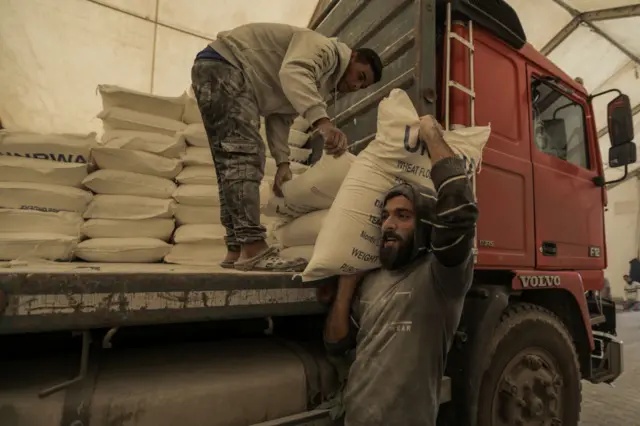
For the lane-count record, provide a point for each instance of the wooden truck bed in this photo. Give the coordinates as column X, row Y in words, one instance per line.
column 78, row 296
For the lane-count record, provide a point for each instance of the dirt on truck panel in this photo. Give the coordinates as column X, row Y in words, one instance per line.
column 72, row 296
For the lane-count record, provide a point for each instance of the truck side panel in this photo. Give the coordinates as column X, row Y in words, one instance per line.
column 505, row 184
column 391, row 28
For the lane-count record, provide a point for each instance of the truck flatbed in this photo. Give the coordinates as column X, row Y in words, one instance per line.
column 40, row 297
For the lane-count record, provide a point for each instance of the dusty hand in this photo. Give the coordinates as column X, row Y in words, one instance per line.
column 282, row 175
column 430, row 128
column 335, row 142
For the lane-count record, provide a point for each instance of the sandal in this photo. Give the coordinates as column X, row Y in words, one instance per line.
column 227, row 264
column 270, row 260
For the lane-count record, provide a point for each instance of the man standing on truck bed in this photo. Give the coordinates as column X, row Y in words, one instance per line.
column 276, row 71
column 408, row 311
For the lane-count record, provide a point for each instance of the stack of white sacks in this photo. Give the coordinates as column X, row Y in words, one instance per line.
column 41, row 194
column 345, row 238
column 199, row 237
column 131, row 216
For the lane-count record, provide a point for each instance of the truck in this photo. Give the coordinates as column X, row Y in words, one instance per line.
column 165, row 344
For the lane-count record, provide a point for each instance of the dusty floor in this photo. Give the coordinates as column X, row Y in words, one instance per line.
column 619, row 405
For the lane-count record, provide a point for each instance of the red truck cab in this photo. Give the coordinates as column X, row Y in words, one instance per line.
column 534, row 324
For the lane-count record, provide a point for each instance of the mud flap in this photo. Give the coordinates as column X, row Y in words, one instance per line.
column 482, row 310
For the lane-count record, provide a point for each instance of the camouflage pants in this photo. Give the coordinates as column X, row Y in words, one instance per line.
column 232, row 121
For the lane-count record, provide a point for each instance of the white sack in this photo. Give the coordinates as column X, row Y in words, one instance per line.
column 126, row 119
column 197, row 254
column 314, row 189
column 137, row 162
column 299, row 155
column 34, row 222
column 197, row 214
column 297, row 138
column 122, row 228
column 118, row 182
column 300, row 124
column 65, row 148
column 206, row 174
column 270, row 168
column 19, row 169
column 43, row 197
column 129, row 207
column 191, row 111
column 304, row 252
column 163, row 106
column 196, row 135
column 301, row 231
column 196, row 156
column 155, row 143
column 197, row 195
column 200, row 234
column 197, row 175
column 16, row 246
column 395, row 155
column 123, row 250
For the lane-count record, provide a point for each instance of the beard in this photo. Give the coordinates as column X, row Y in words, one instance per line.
column 398, row 254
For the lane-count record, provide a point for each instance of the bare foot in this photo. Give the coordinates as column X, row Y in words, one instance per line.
column 252, row 249
column 232, row 256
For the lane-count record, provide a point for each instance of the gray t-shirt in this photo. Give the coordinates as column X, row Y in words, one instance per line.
column 407, row 323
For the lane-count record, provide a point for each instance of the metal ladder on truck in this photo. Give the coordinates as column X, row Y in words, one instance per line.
column 469, row 91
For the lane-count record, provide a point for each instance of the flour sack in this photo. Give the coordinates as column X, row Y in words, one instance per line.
column 197, row 214
column 200, row 234
column 35, row 222
column 129, row 207
column 191, row 111
column 301, row 231
column 396, row 155
column 196, row 135
column 197, row 254
column 17, row 246
column 118, row 182
column 122, row 228
column 298, row 252
column 162, row 106
column 197, row 195
column 43, row 197
column 315, row 189
column 197, row 175
column 137, row 162
column 196, row 156
column 300, row 155
column 64, row 148
column 154, row 143
column 19, row 169
column 123, row 250
column 116, row 118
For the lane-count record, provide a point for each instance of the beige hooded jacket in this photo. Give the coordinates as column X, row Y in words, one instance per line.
column 292, row 70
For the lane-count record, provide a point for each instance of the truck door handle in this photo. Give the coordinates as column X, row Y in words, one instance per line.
column 548, row 248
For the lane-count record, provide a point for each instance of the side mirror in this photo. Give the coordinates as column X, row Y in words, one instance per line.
column 622, row 155
column 620, row 123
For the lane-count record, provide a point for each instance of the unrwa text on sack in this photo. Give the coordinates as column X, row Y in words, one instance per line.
column 62, row 158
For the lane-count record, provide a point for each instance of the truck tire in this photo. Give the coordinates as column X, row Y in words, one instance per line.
column 532, row 374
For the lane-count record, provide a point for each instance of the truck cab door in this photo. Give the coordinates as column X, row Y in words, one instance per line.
column 569, row 217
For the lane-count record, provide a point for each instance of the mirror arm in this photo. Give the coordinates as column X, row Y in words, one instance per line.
column 591, row 97
column 600, row 182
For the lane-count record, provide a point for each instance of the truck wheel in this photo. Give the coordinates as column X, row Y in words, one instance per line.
column 532, row 375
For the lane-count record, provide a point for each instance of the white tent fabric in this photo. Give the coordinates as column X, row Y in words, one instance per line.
column 53, row 53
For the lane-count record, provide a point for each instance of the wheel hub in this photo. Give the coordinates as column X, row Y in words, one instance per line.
column 530, row 392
